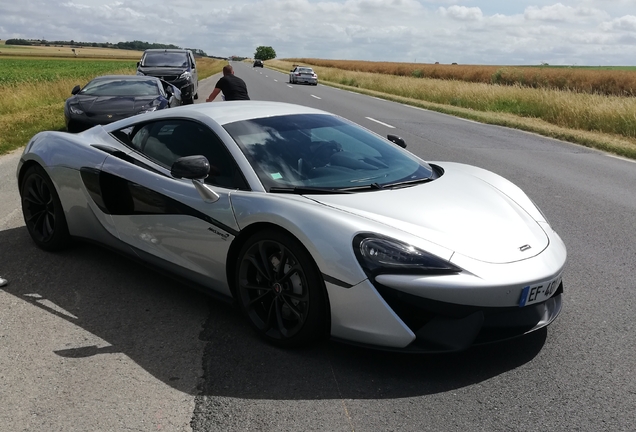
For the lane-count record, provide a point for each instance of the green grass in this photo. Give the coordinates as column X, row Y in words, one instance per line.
column 22, row 70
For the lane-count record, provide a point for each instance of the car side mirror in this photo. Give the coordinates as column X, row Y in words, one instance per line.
column 138, row 63
column 76, row 90
column 396, row 140
column 190, row 167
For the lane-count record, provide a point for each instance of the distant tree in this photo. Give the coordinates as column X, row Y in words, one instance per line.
column 18, row 42
column 264, row 53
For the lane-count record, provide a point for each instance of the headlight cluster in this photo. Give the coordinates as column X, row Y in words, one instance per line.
column 140, row 73
column 377, row 255
column 75, row 110
column 186, row 75
column 147, row 110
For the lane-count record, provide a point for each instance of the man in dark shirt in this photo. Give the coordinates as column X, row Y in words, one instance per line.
column 233, row 87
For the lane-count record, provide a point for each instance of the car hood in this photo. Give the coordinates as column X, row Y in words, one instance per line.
column 113, row 104
column 459, row 211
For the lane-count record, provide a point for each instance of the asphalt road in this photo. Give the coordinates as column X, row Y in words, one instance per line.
column 91, row 341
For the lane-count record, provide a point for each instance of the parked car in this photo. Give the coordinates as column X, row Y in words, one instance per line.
column 312, row 224
column 177, row 66
column 109, row 98
column 303, row 74
column 258, row 63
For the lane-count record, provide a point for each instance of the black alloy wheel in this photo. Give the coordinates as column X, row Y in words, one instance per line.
column 42, row 210
column 280, row 289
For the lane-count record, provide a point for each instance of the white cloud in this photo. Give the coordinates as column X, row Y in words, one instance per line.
column 462, row 13
column 627, row 22
column 560, row 12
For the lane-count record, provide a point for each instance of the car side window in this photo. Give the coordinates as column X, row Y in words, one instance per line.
column 168, row 140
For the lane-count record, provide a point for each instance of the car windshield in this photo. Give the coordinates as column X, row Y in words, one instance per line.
column 121, row 87
column 321, row 151
column 305, row 70
column 165, row 59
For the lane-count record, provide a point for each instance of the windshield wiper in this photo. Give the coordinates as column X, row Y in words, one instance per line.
column 408, row 183
column 301, row 190
column 372, row 186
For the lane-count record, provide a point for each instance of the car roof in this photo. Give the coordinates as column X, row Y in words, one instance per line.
column 128, row 77
column 232, row 111
column 166, row 50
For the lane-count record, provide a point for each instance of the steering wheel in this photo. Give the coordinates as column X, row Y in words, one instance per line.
column 322, row 152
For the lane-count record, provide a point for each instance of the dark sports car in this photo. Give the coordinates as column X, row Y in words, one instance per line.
column 314, row 225
column 109, row 98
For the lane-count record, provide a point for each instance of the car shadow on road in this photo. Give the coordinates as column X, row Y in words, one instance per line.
column 173, row 331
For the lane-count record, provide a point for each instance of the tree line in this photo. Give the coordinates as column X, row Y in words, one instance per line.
column 133, row 45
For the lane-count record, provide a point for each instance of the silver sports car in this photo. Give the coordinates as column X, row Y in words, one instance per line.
column 312, row 224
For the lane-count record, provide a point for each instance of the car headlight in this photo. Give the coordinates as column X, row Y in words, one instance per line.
column 147, row 110
column 75, row 110
column 140, row 73
column 186, row 75
column 377, row 255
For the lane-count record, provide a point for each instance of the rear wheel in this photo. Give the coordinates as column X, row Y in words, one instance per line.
column 42, row 210
column 280, row 289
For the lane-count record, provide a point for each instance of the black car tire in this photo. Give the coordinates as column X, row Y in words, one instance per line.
column 196, row 95
column 280, row 290
column 42, row 210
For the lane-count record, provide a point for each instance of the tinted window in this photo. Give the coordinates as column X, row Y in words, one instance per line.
column 168, row 140
column 121, row 87
column 166, row 59
column 324, row 151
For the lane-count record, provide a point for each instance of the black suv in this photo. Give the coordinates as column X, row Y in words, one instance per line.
column 177, row 66
column 258, row 63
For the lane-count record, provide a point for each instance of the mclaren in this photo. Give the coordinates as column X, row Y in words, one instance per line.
column 314, row 226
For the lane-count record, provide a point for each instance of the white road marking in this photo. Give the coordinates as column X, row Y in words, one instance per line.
column 382, row 123
column 290, row 86
column 275, row 80
column 621, row 158
column 314, row 96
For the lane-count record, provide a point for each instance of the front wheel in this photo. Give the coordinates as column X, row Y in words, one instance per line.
column 42, row 210
column 280, row 289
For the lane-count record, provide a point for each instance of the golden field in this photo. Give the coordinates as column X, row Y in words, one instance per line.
column 617, row 81
column 67, row 51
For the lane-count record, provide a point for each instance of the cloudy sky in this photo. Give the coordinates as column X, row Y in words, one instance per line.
column 500, row 32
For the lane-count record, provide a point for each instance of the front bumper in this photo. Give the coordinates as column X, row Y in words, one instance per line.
column 447, row 327
column 186, row 88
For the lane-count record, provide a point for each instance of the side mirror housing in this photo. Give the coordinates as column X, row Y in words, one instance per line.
column 76, row 90
column 396, row 140
column 190, row 167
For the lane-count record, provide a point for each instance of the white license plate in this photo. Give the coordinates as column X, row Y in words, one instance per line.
column 539, row 292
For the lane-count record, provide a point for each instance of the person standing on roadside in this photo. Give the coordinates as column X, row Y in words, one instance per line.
column 233, row 87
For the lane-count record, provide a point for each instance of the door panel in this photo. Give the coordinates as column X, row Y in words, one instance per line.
column 168, row 219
